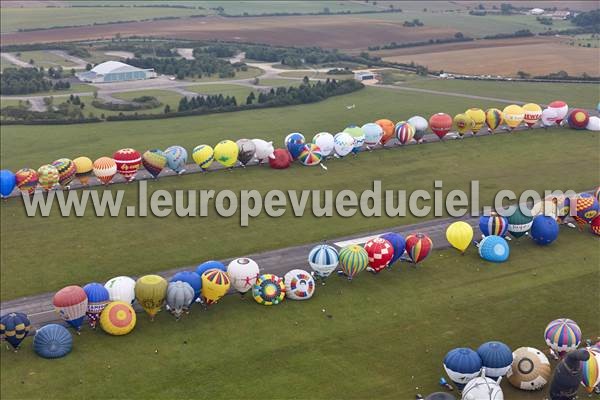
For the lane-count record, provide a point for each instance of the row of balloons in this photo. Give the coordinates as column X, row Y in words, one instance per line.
column 128, row 161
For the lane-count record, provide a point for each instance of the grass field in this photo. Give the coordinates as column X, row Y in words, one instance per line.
column 378, row 337
column 280, row 82
column 315, row 74
column 45, row 59
column 164, row 96
column 75, row 88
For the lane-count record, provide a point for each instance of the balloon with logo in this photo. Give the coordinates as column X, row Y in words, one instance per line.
column 323, row 259
column 299, row 285
column 246, row 151
column 325, row 142
column 281, row 159
column 98, row 298
column 118, row 318
column 404, row 132
column 586, row 207
column 548, row 117
column 83, row 169
column 478, row 117
column 52, row 341
column 243, row 273
column 544, row 230
column 358, row 135
column 353, row 260
column 561, row 108
column 8, row 181
column 496, row 358
column 26, row 180
column 464, row 124
column 14, row 327
column 264, row 150
column 388, row 128
column 562, row 336
column 578, row 119
column 380, row 252
column 418, row 247
column 459, row 234
column 493, row 119
column 191, row 278
column 398, row 243
column 226, row 153
column 533, row 113
column 493, row 224
column 47, row 177
column 294, row 142
column 150, row 293
column 310, row 155
column 154, row 161
column 590, row 370
column 494, row 249
column 105, row 169
column 343, row 144
column 176, row 158
column 593, row 124
column 513, row 116
column 530, row 369
column 203, row 155
column 420, row 124
column 373, row 134
column 121, row 288
column 128, row 162
column 440, row 124
column 519, row 222
column 66, row 171
column 462, row 365
column 215, row 284
column 180, row 295
column 268, row 290
column 70, row 303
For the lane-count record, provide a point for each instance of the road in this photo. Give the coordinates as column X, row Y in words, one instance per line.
column 11, row 58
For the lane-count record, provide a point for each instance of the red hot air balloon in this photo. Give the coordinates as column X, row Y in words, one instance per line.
column 71, row 304
column 561, row 109
column 281, row 159
column 380, row 252
column 578, row 119
column 27, row 180
column 128, row 162
column 418, row 246
column 440, row 124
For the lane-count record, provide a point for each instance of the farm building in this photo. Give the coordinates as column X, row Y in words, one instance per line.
column 536, row 11
column 115, row 71
column 364, row 76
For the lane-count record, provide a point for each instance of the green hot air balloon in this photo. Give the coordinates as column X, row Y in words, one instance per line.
column 519, row 222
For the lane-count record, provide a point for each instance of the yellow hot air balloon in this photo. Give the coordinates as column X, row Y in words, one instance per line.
column 533, row 113
column 203, row 155
column 226, row 153
column 118, row 318
column 493, row 119
column 151, row 292
column 459, row 234
column 463, row 124
column 478, row 117
column 513, row 115
column 215, row 284
column 83, row 168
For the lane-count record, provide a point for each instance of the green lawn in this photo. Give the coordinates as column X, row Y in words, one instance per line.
column 316, row 74
column 164, row 96
column 240, row 92
column 280, row 82
column 378, row 337
column 45, row 59
column 9, row 102
column 75, row 88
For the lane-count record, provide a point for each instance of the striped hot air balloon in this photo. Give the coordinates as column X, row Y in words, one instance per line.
column 14, row 327
column 70, row 303
column 215, row 284
column 105, row 169
column 268, row 290
column 493, row 224
column 98, row 298
column 66, row 171
column 310, row 155
column 353, row 260
column 562, row 335
column 154, row 161
column 47, row 176
column 493, row 119
column 323, row 260
column 203, row 155
column 418, row 246
column 590, row 371
column 27, row 180
column 404, row 132
column 128, row 162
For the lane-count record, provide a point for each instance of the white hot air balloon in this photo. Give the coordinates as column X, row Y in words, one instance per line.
column 420, row 124
column 121, row 288
column 343, row 144
column 180, row 296
column 323, row 259
column 299, row 285
column 243, row 273
column 593, row 124
column 549, row 116
column 373, row 134
column 482, row 388
column 325, row 142
column 264, row 150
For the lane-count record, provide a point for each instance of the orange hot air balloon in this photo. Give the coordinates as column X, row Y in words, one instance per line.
column 27, row 180
column 440, row 124
column 105, row 169
column 388, row 130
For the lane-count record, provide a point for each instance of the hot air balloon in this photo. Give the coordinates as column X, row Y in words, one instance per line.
column 121, row 288
column 533, row 113
column 513, row 115
column 226, row 153
column 299, row 285
column 568, row 375
column 128, row 162
column 26, row 180
column 154, row 161
column 519, row 222
column 404, row 132
column 493, row 224
column 83, row 169
column 357, row 135
column 595, row 226
column 343, row 144
column 353, row 260
column 590, row 371
column 294, row 142
column 310, row 155
column 70, row 303
column 215, row 284
column 493, row 119
column 118, row 318
column 98, row 298
column 586, row 207
column 8, row 181
column 268, row 290
column 243, row 273
column 462, row 365
column 593, row 124
column 176, row 158
column 578, row 119
column 464, row 124
column 459, row 234
column 496, row 358
column 323, row 260
column 66, row 171
column 47, row 177
column 281, row 159
column 561, row 108
column 380, row 252
column 180, row 295
column 530, row 369
column 294, row 137
column 191, row 278
column 373, row 134
column 212, row 264
column 105, row 169
column 482, row 388
column 440, row 124
column 544, row 230
column 562, row 335
column 52, row 341
column 548, row 117
column 597, row 193
column 420, row 124
column 388, row 130
column 246, row 151
column 440, row 396
column 14, row 327
column 325, row 142
column 494, row 248
column 478, row 117
column 150, row 293
column 398, row 243
column 264, row 150
column 418, row 246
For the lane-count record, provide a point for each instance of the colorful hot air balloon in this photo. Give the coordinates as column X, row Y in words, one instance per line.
column 530, row 369
column 176, row 158
column 212, row 264
column 226, row 153
column 264, row 150
column 105, row 169
column 562, row 335
column 496, row 358
column 380, row 252
column 420, row 124
column 70, row 303
column 14, row 327
column 353, row 260
column 418, row 246
column 180, row 295
column 493, row 119
column 459, row 234
column 533, row 113
column 66, row 171
column 26, row 180
column 47, row 177
column 388, row 130
column 590, row 371
column 8, row 181
column 568, row 376
column 544, row 229
column 478, row 117
column 325, row 142
column 358, row 135
column 98, row 298
column 191, row 278
column 519, row 222
column 462, row 365
column 150, row 293
column 595, row 226
column 493, row 224
column 121, row 288
column 494, row 248
column 323, row 259
column 128, row 162
column 373, row 134
column 561, row 108
column 343, row 144
column 463, row 123
column 154, row 161
column 398, row 243
column 268, row 290
column 215, row 284
column 246, row 151
column 243, row 273
column 294, row 142
column 83, row 169
column 118, row 318
column 578, row 119
column 299, row 285
column 281, row 159
column 404, row 132
column 513, row 115
column 586, row 207
column 52, row 341
column 440, row 124
column 310, row 155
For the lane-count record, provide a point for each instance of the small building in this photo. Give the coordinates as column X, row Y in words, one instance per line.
column 536, row 11
column 115, row 71
column 560, row 15
column 364, row 76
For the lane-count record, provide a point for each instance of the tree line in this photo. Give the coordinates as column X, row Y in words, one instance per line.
column 28, row 80
column 204, row 65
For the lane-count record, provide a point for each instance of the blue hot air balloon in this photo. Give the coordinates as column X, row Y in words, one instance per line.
column 98, row 298
column 14, row 327
column 294, row 142
column 398, row 243
column 176, row 158
column 496, row 358
column 462, row 365
column 191, row 278
column 493, row 224
column 8, row 181
column 494, row 248
column 52, row 341
column 205, row 266
column 544, row 230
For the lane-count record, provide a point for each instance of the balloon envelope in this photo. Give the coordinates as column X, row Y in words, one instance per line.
column 357, row 135
column 496, row 358
column 243, row 273
column 70, row 303
column 310, row 155
column 281, row 159
column 212, row 264
column 459, row 234
column 493, row 118
column 578, row 119
column 530, row 369
column 226, row 153
column 26, row 180
column 323, row 259
column 462, row 365
column 180, row 295
column 493, row 224
column 268, row 290
column 215, row 284
column 464, row 124
column 154, row 161
column 388, row 130
column 404, row 132
column 98, row 298
column 482, row 388
column 294, row 142
column 593, row 124
column 548, row 117
column 420, row 124
column 8, row 181
column 373, row 133
column 246, row 150
column 52, row 341
column 299, row 285
column 128, row 162
column 264, row 149
column 118, row 318
column 121, row 288
column 544, row 229
column 533, row 113
column 14, row 327
column 151, row 292
column 325, row 142
column 66, row 171
column 494, row 248
column 440, row 124
column 398, row 242
column 343, row 144
column 204, row 155
column 519, row 222
column 561, row 109
column 353, row 260
column 191, row 278
column 48, row 176
column 418, row 246
column 562, row 335
column 380, row 252
column 176, row 158
column 105, row 169
column 513, row 115
column 478, row 117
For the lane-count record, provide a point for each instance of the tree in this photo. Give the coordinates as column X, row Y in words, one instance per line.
column 167, row 109
column 95, row 94
column 88, row 66
column 250, row 98
column 32, row 61
column 305, row 80
column 523, row 74
column 506, row 8
column 459, row 35
column 326, row 10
